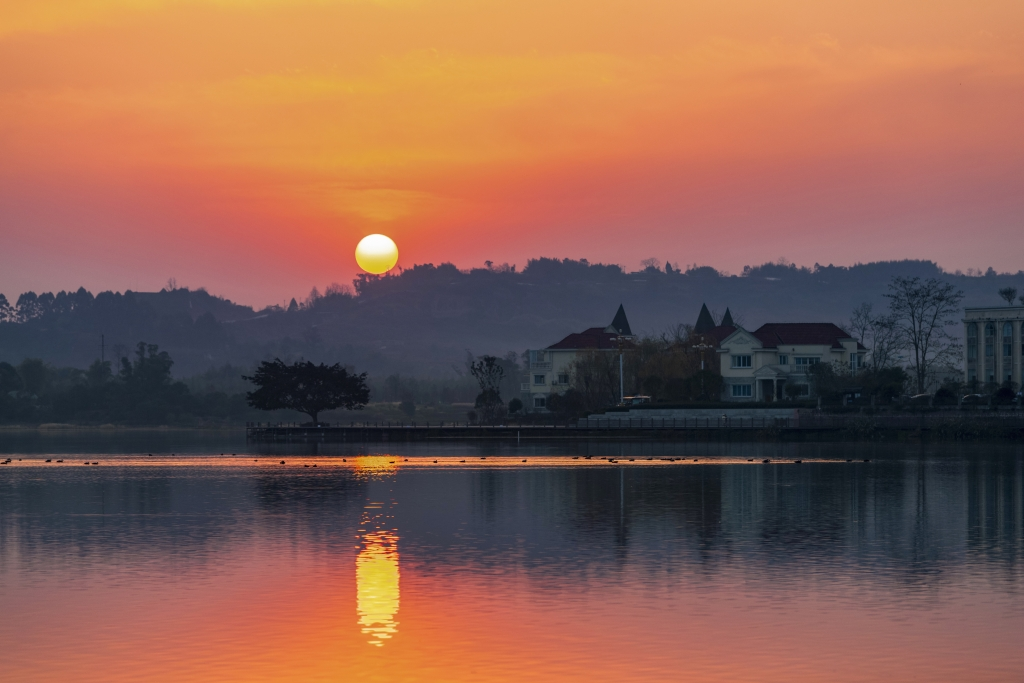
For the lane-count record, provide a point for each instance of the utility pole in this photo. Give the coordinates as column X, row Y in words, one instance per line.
column 622, row 383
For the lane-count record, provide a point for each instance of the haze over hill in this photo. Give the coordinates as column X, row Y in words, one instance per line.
column 422, row 321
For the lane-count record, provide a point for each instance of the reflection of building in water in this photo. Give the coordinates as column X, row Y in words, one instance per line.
column 377, row 575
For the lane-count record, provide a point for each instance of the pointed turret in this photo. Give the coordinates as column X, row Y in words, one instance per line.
column 727, row 319
column 705, row 322
column 619, row 324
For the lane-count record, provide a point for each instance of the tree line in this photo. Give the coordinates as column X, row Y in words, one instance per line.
column 138, row 390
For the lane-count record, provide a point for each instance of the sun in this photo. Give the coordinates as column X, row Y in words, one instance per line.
column 376, row 254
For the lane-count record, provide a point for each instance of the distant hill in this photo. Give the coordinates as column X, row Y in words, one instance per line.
column 422, row 321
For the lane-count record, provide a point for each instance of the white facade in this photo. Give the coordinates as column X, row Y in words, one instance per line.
column 550, row 372
column 993, row 345
column 752, row 371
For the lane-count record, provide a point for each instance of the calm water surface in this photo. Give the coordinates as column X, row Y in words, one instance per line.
column 380, row 565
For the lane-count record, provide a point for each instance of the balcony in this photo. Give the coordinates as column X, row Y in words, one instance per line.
column 540, row 366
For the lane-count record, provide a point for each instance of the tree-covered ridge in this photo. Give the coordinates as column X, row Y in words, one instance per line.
column 419, row 322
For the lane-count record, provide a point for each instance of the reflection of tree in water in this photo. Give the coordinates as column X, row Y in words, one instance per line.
column 684, row 500
column 317, row 502
column 322, row 490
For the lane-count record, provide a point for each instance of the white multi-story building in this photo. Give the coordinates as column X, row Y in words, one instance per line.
column 550, row 369
column 757, row 366
column 994, row 345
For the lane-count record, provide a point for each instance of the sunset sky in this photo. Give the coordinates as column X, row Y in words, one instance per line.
column 247, row 145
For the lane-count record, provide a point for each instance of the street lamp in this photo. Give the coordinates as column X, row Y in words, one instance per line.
column 702, row 347
column 622, row 391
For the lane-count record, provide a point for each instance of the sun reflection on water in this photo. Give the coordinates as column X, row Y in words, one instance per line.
column 373, row 466
column 377, row 576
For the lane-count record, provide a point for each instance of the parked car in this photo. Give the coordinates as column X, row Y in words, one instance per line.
column 635, row 400
column 974, row 400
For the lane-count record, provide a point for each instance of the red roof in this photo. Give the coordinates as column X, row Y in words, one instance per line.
column 594, row 338
column 773, row 335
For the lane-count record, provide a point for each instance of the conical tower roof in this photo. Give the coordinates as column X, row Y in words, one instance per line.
column 705, row 322
column 727, row 319
column 619, row 324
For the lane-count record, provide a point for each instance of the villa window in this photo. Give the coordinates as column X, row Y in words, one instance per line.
column 563, row 378
column 742, row 390
column 806, row 360
column 539, row 379
column 972, row 341
column 803, row 389
column 990, row 340
column 740, row 362
column 1007, row 340
column 540, row 402
column 783, row 360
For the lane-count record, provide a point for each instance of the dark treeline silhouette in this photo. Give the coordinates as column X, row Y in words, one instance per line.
column 416, row 326
column 140, row 391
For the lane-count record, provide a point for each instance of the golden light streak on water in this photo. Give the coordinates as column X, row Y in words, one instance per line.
column 376, row 465
column 377, row 578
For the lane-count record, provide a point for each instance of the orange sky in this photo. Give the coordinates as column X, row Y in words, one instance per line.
column 246, row 145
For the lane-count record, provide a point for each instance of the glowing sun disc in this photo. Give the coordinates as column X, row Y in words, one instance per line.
column 376, row 254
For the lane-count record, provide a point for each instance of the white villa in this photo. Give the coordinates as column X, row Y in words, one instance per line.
column 550, row 369
column 757, row 366
column 995, row 345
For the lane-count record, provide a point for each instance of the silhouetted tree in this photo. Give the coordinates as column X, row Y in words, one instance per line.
column 1008, row 293
column 10, row 380
column 34, row 374
column 489, row 372
column 150, row 370
column 99, row 373
column 306, row 387
column 922, row 312
column 878, row 332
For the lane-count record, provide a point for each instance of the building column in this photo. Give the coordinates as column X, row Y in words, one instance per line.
column 1018, row 354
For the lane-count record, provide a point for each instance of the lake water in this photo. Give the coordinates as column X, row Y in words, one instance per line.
column 379, row 564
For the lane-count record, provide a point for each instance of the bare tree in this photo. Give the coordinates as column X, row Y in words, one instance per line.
column 860, row 322
column 885, row 341
column 1008, row 293
column 877, row 332
column 595, row 376
column 677, row 334
column 922, row 313
column 489, row 372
